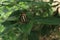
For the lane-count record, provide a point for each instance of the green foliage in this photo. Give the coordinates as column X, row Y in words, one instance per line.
column 11, row 27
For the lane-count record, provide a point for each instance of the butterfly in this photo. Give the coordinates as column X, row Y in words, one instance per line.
column 23, row 17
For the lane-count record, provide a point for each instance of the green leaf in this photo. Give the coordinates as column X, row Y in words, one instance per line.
column 1, row 28
column 33, row 36
column 48, row 20
column 26, row 28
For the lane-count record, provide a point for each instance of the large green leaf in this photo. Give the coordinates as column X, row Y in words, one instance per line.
column 48, row 20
